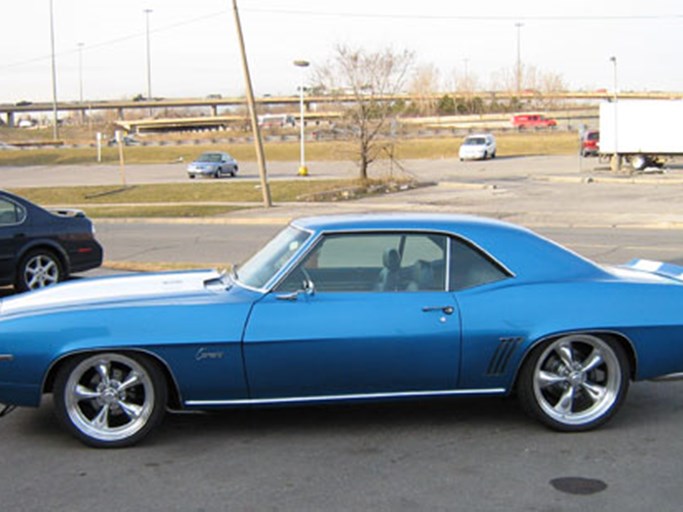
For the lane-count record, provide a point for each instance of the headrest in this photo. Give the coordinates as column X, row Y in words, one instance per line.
column 391, row 259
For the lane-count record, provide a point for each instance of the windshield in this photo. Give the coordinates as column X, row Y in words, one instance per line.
column 263, row 265
column 475, row 141
column 209, row 157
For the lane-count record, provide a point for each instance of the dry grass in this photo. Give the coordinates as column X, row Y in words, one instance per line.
column 183, row 193
column 165, row 211
column 509, row 144
column 137, row 266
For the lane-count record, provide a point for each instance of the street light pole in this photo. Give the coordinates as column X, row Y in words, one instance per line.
column 616, row 159
column 303, row 64
column 80, row 80
column 55, row 121
column 80, row 72
column 519, row 57
column 149, row 59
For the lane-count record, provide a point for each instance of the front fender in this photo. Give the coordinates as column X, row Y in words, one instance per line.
column 198, row 340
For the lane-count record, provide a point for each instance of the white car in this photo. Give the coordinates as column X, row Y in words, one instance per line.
column 479, row 146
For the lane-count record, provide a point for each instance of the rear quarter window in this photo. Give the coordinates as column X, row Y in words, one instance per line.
column 471, row 267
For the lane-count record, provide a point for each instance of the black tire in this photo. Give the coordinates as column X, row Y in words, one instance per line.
column 110, row 400
column 574, row 383
column 493, row 155
column 191, row 176
column 37, row 269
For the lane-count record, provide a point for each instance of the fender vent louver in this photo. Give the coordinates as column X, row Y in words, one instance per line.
column 501, row 356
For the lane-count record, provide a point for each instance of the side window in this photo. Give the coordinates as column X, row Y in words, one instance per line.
column 372, row 262
column 10, row 213
column 470, row 267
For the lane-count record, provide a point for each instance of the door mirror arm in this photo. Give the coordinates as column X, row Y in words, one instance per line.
column 307, row 288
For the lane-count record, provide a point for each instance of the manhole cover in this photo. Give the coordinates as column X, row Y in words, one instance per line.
column 578, row 485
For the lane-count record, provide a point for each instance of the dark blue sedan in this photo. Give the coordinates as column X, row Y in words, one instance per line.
column 39, row 248
column 344, row 309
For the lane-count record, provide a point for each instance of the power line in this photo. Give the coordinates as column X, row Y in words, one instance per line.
column 117, row 40
column 487, row 17
column 358, row 15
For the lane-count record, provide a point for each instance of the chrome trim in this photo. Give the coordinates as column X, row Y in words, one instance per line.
column 355, row 396
column 22, row 208
column 367, row 231
column 670, row 377
column 447, row 268
column 286, row 269
column 6, row 357
column 269, row 285
column 292, row 264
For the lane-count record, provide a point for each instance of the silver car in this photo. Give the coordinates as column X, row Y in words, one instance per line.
column 214, row 164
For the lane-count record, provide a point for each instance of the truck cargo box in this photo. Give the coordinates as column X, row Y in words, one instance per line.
column 649, row 127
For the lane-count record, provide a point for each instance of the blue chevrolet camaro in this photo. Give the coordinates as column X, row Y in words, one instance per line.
column 349, row 308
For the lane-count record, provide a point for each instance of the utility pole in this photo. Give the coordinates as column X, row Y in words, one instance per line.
column 149, row 60
column 55, row 120
column 616, row 159
column 258, row 143
column 80, row 80
column 519, row 57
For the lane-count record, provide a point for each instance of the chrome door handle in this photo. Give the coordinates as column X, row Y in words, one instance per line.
column 448, row 310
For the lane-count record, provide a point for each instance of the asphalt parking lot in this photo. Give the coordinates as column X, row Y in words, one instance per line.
column 465, row 454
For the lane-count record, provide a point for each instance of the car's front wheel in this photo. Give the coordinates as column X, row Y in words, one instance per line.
column 38, row 269
column 574, row 383
column 110, row 400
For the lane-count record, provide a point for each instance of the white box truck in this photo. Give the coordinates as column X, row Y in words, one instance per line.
column 646, row 133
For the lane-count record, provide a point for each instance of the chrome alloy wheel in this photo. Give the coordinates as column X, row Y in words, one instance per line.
column 40, row 270
column 109, row 397
column 578, row 380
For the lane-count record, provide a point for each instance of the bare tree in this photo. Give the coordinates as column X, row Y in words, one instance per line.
column 423, row 87
column 369, row 78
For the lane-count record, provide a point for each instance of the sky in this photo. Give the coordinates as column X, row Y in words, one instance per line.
column 194, row 47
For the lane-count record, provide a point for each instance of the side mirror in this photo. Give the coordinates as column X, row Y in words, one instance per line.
column 308, row 287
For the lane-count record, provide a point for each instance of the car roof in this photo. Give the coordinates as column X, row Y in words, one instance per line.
column 214, row 153
column 520, row 250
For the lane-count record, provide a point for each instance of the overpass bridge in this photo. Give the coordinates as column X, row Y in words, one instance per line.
column 10, row 111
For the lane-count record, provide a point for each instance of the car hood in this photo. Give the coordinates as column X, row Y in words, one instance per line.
column 203, row 165
column 115, row 289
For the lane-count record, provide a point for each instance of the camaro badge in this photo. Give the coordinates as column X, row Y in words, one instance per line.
column 204, row 353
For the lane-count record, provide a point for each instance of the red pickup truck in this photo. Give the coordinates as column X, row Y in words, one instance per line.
column 522, row 121
column 590, row 143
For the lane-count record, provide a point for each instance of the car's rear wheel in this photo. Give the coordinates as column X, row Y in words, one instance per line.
column 38, row 269
column 110, row 400
column 574, row 383
column 639, row 162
